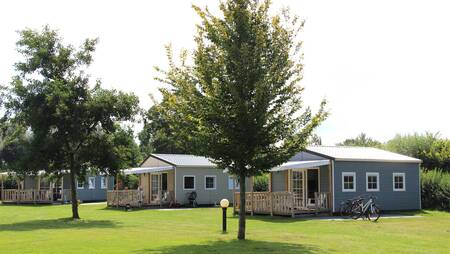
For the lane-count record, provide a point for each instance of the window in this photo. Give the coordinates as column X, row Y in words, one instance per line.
column 372, row 182
column 348, row 181
column 80, row 185
column 210, row 182
column 231, row 181
column 103, row 182
column 91, row 181
column 398, row 181
column 189, row 182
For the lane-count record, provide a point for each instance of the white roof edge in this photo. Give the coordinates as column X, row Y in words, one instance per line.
column 380, row 160
column 300, row 165
column 146, row 170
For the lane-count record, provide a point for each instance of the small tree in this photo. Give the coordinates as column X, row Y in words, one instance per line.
column 240, row 102
column 51, row 97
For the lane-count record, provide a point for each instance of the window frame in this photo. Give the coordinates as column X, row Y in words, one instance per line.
column 103, row 184
column 353, row 174
column 215, row 182
column 403, row 175
column 377, row 174
column 80, row 187
column 235, row 181
column 184, row 183
column 89, row 183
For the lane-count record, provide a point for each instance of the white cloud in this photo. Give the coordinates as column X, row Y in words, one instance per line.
column 382, row 65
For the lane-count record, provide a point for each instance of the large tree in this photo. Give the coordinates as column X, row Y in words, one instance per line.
column 158, row 136
column 240, row 101
column 52, row 98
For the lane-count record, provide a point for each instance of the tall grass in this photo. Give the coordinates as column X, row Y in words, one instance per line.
column 435, row 189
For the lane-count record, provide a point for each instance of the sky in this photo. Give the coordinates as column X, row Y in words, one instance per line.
column 382, row 65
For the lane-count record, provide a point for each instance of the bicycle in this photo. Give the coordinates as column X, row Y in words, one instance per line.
column 369, row 210
column 348, row 205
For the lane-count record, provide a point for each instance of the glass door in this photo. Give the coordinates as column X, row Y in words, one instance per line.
column 154, row 192
column 298, row 188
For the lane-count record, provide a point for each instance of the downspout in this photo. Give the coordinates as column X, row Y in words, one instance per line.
column 175, row 184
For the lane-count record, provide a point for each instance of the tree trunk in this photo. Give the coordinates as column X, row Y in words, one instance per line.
column 242, row 208
column 73, row 191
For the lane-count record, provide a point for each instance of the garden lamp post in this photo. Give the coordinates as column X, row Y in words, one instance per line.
column 224, row 204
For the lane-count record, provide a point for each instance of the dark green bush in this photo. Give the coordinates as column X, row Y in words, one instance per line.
column 435, row 189
column 261, row 183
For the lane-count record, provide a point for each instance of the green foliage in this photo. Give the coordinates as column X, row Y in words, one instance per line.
column 240, row 102
column 435, row 189
column 433, row 150
column 67, row 119
column 261, row 183
column 361, row 140
column 157, row 135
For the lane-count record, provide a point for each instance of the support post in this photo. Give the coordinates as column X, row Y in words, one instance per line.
column 234, row 195
column 117, row 190
column 251, row 197
column 1, row 194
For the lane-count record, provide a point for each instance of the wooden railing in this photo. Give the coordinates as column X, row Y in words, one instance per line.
column 27, row 196
column 280, row 203
column 133, row 198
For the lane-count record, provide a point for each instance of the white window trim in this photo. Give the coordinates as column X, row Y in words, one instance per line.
column 393, row 181
column 89, row 183
column 184, row 182
column 367, row 182
column 78, row 186
column 215, row 182
column 103, row 184
column 354, row 181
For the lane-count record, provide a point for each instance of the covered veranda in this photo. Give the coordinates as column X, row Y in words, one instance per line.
column 156, row 188
column 295, row 187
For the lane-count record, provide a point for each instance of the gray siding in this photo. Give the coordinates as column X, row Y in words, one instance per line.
column 96, row 194
column 387, row 199
column 324, row 179
column 204, row 197
column 279, row 181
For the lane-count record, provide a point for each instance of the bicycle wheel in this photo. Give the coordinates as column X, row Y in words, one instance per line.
column 356, row 212
column 373, row 214
column 343, row 210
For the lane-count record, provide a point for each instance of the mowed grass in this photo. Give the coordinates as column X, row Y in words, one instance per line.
column 46, row 229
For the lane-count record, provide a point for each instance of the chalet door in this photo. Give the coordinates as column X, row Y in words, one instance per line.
column 312, row 185
column 298, row 187
column 156, row 187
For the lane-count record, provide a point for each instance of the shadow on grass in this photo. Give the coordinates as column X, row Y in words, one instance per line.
column 63, row 223
column 235, row 246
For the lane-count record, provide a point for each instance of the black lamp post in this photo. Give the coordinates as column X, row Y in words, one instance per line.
column 224, row 203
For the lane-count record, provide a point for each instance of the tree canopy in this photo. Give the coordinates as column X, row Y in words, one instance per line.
column 69, row 121
column 239, row 102
column 361, row 140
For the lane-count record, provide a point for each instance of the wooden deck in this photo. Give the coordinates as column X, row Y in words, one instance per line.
column 27, row 196
column 133, row 198
column 281, row 203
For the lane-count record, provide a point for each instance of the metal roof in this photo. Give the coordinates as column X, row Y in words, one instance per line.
column 185, row 160
column 146, row 170
column 300, row 165
column 354, row 153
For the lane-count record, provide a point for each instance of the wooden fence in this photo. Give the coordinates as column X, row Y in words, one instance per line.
column 281, row 203
column 133, row 198
column 27, row 196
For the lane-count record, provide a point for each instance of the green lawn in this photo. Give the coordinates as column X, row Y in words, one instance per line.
column 45, row 229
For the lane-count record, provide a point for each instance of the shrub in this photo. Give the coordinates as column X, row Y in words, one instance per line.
column 261, row 183
column 435, row 189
